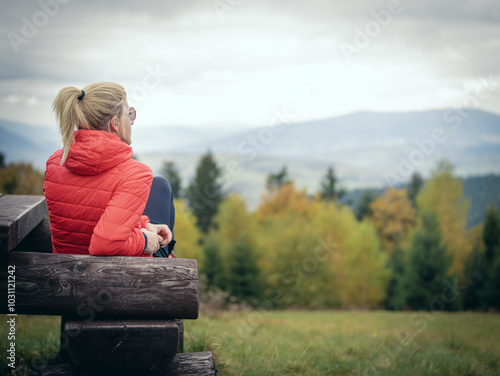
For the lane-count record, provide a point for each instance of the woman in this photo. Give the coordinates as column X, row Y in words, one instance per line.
column 96, row 193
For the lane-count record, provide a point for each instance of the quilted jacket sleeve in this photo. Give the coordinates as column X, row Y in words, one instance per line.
column 118, row 232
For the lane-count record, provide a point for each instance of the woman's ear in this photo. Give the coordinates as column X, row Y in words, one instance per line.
column 113, row 125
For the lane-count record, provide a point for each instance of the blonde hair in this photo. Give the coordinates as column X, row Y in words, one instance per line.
column 92, row 110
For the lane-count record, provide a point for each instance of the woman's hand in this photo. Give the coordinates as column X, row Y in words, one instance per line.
column 163, row 231
column 154, row 241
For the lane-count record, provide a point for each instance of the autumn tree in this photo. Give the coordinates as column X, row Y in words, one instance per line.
column 284, row 200
column 21, row 179
column 329, row 187
column 186, row 233
column 170, row 172
column 393, row 217
column 235, row 236
column 316, row 254
column 278, row 179
column 204, row 193
column 443, row 195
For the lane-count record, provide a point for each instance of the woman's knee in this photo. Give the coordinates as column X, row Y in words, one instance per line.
column 161, row 186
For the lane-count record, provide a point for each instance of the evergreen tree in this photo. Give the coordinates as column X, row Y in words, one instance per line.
column 329, row 189
column 278, row 179
column 491, row 238
column 170, row 172
column 2, row 160
column 204, row 193
column 428, row 265
column 363, row 209
column 475, row 277
column 491, row 235
column 415, row 185
column 395, row 295
column 243, row 281
column 212, row 265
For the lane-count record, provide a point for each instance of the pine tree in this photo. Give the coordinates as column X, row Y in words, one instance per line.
column 212, row 265
column 363, row 209
column 491, row 235
column 204, row 193
column 414, row 186
column 395, row 294
column 475, row 277
column 329, row 189
column 278, row 179
column 170, row 172
column 428, row 265
column 243, row 281
column 491, row 238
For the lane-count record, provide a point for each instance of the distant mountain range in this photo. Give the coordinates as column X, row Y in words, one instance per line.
column 366, row 149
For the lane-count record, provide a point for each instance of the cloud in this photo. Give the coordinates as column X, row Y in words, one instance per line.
column 262, row 54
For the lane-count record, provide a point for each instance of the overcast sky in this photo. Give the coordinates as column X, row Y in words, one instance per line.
column 233, row 62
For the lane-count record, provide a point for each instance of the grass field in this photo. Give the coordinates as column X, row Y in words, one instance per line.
column 317, row 343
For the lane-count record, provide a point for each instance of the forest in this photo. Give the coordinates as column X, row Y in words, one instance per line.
column 407, row 248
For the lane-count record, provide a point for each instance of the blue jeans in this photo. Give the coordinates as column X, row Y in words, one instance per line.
column 160, row 210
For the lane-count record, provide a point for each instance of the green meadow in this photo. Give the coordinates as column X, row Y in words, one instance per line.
column 313, row 342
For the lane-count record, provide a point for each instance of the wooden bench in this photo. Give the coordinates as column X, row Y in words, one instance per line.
column 120, row 315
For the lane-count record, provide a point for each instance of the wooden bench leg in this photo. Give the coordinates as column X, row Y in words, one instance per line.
column 124, row 347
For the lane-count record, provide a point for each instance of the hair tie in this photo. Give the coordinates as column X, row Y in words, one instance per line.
column 81, row 96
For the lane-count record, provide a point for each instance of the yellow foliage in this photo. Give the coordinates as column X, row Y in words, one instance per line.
column 21, row 179
column 443, row 195
column 187, row 233
column 394, row 218
column 285, row 199
column 233, row 224
column 358, row 264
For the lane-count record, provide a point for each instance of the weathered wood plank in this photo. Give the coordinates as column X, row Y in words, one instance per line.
column 38, row 240
column 19, row 214
column 191, row 364
column 90, row 286
column 124, row 347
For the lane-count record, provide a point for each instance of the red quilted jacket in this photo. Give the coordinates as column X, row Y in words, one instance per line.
column 97, row 197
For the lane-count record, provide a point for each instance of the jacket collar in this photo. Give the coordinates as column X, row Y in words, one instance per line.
column 94, row 152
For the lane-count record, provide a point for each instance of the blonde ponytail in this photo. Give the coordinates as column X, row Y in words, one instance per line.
column 90, row 108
